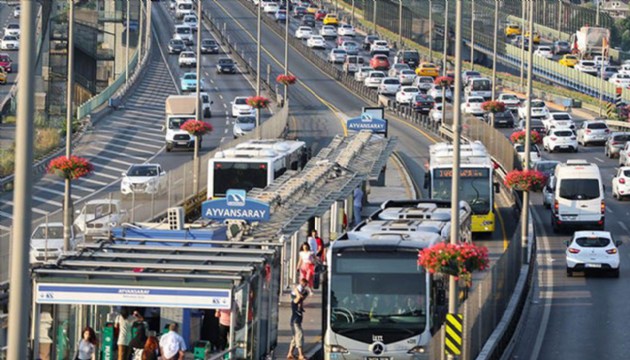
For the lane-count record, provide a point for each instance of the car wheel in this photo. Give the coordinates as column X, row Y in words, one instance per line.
column 169, row 148
column 569, row 272
column 575, row 149
column 615, row 273
column 615, row 195
column 554, row 226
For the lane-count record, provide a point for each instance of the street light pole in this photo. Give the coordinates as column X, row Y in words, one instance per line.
column 523, row 42
column 528, row 129
column 67, row 199
column 494, row 56
column 431, row 30
column 286, row 57
column 597, row 14
column 198, row 110
column 20, row 294
column 148, row 34
column 560, row 19
column 127, row 47
column 374, row 16
column 140, row 36
column 452, row 283
column 258, row 46
column 400, row 13
column 445, row 35
column 472, row 35
column 352, row 17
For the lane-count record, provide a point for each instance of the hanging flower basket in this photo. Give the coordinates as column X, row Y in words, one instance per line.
column 525, row 180
column 443, row 81
column 258, row 102
column 70, row 168
column 286, row 79
column 196, row 127
column 518, row 137
column 493, row 107
column 458, row 260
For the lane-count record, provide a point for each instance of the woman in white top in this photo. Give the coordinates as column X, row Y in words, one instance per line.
column 123, row 324
column 306, row 264
column 87, row 346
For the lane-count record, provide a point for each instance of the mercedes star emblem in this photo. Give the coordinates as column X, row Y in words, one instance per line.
column 377, row 349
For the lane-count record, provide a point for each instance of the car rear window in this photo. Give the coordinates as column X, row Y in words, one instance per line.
column 564, row 133
column 622, row 137
column 597, row 126
column 411, row 55
column 391, row 81
column 593, row 242
column 538, row 104
column 561, row 116
column 579, row 189
column 475, row 100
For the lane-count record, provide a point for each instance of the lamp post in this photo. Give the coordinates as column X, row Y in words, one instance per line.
column 20, row 294
column 523, row 42
column 472, row 35
column 127, row 45
column 528, row 129
column 445, row 35
column 286, row 57
column 352, row 17
column 431, row 30
column 597, row 13
column 559, row 18
column 374, row 16
column 494, row 56
column 140, row 36
column 400, row 14
column 258, row 67
column 67, row 199
column 148, row 32
column 198, row 111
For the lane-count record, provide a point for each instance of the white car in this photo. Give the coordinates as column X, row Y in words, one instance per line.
column 548, row 191
column 379, row 47
column 406, row 94
column 558, row 120
column 534, row 154
column 472, row 106
column 436, row 93
column 243, row 125
column 511, row 101
column 17, row 11
column 424, row 83
column 328, row 31
column 271, row 7
column 374, row 79
column 624, row 155
column 621, row 183
column 407, row 77
column 396, row 68
column 187, row 58
column 346, row 30
column 544, row 51
column 10, row 42
column 362, row 73
column 593, row 131
column 337, row 56
column 99, row 216
column 560, row 139
column 389, row 86
column 241, row 108
column 593, row 250
column 303, row 32
column 436, row 113
column 183, row 33
column 587, row 67
column 12, row 29
column 47, row 241
column 600, row 60
column 316, row 42
column 539, row 109
column 620, row 79
column 148, row 179
column 190, row 20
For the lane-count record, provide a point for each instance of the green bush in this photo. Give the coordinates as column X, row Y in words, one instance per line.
column 7, row 162
column 46, row 140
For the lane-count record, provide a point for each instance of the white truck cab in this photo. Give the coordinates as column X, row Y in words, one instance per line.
column 98, row 217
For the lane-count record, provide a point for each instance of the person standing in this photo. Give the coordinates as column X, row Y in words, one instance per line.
column 151, row 349
column 225, row 320
column 86, row 350
column 298, row 295
column 172, row 345
column 357, row 204
column 45, row 341
column 139, row 335
column 123, row 323
column 306, row 264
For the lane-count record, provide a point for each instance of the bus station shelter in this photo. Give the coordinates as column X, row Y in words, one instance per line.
column 180, row 277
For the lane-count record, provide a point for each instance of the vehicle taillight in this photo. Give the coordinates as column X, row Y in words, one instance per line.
column 573, row 250
column 467, row 105
column 418, row 104
column 622, row 181
column 573, row 138
column 554, row 138
column 556, row 206
column 588, row 131
column 607, row 131
column 611, row 251
column 603, row 207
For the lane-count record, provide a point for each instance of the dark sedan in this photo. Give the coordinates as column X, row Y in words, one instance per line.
column 209, row 46
column 308, row 20
column 226, row 65
column 501, row 119
column 175, row 46
column 422, row 103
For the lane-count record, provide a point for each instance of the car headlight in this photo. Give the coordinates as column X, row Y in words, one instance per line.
column 416, row 350
column 337, row 349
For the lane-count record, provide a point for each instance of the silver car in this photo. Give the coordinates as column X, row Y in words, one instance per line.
column 592, row 131
column 337, row 56
column 389, row 86
column 243, row 125
column 615, row 143
column 548, row 192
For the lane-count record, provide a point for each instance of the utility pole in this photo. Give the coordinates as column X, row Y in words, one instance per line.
column 20, row 294
column 198, row 107
column 258, row 46
column 374, row 17
column 560, row 19
column 149, row 32
column 352, row 18
column 528, row 129
column 523, row 42
column 286, row 57
column 597, row 14
column 140, row 36
column 452, row 283
column 494, row 55
column 472, row 35
column 431, row 30
column 400, row 14
column 127, row 47
column 67, row 198
column 445, row 36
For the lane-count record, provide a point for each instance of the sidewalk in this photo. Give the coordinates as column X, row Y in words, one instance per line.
column 397, row 187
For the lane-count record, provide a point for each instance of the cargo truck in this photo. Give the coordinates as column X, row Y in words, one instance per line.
column 588, row 41
column 179, row 109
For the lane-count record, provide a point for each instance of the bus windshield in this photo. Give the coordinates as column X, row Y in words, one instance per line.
column 475, row 187
column 238, row 175
column 390, row 302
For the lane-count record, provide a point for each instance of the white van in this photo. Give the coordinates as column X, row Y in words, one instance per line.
column 479, row 87
column 184, row 33
column 183, row 8
column 578, row 196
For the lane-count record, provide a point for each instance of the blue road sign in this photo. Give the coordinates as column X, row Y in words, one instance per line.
column 235, row 206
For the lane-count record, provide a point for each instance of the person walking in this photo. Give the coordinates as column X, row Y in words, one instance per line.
column 306, row 264
column 123, row 323
column 298, row 295
column 139, row 335
column 151, row 349
column 357, row 204
column 225, row 319
column 172, row 345
column 86, row 350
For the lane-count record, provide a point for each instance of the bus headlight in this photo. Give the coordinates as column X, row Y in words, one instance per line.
column 416, row 350
column 337, row 349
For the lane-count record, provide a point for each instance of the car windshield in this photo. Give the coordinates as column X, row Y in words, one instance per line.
column 4, row 58
column 472, row 73
column 593, row 242
column 597, row 126
column 536, row 123
column 377, row 74
column 562, row 43
column 50, row 232
column 190, row 55
column 240, row 101
column 391, row 82
column 510, row 97
column 190, row 76
column 561, row 116
column 538, row 104
column 177, row 42
column 339, row 52
column 225, row 62
column 407, row 72
column 546, row 167
column 542, row 48
column 208, row 42
column 183, row 30
column 588, row 63
column 621, row 138
column 143, row 170
column 410, row 89
column 481, row 85
column 570, row 58
column 579, row 189
column 13, row 26
column 246, row 120
column 10, row 38
column 475, row 100
column 185, row 6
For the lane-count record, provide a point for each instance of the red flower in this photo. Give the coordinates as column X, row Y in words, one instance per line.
column 443, row 81
column 73, row 168
column 493, row 106
column 525, row 180
column 518, row 137
column 459, row 260
column 196, row 127
column 286, row 79
column 258, row 102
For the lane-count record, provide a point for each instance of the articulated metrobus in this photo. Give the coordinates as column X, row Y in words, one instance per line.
column 380, row 303
column 254, row 164
column 476, row 180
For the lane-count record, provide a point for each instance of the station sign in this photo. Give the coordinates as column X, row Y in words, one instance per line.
column 122, row 295
column 235, row 206
column 367, row 122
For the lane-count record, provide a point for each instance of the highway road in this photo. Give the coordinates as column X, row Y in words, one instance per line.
column 6, row 17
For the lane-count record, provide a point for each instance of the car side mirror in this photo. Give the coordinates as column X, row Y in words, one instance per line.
column 77, row 212
column 618, row 243
column 497, row 187
column 123, row 174
column 163, row 173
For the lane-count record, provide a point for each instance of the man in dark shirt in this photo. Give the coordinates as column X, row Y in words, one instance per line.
column 299, row 293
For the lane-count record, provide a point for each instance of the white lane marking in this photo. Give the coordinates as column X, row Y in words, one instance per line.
column 222, row 140
column 609, row 210
column 138, row 137
column 208, row 75
column 92, row 181
column 108, row 167
column 623, row 226
column 109, row 159
column 48, row 201
column 106, row 176
column 4, row 228
column 226, row 131
column 128, row 148
column 227, row 122
column 120, row 154
column 220, row 96
column 216, row 88
column 34, row 209
column 598, row 159
column 10, row 216
column 225, row 106
column 53, row 191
